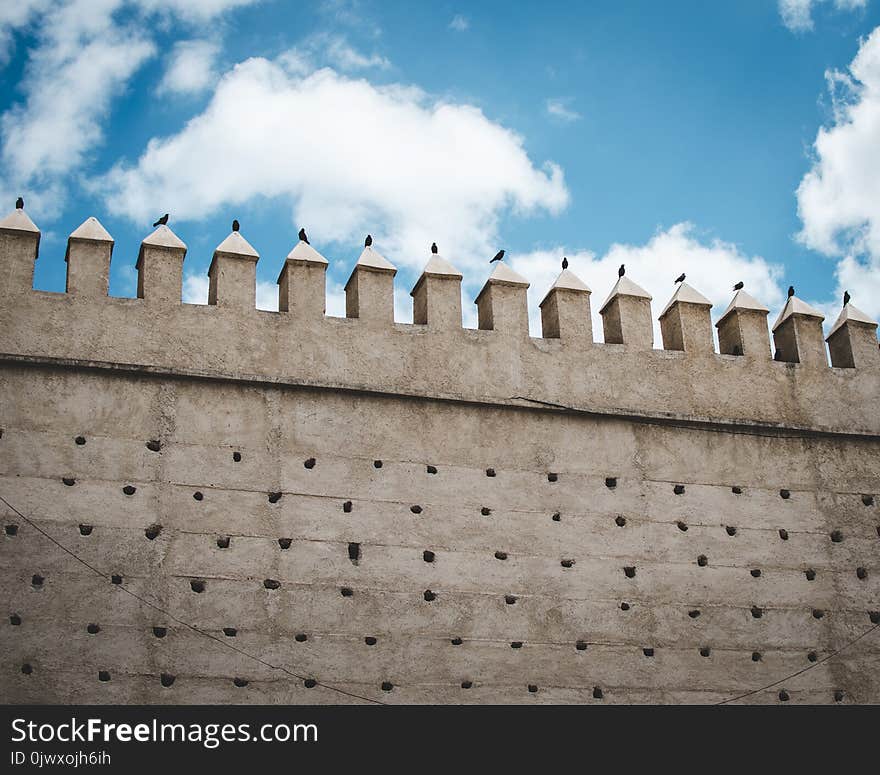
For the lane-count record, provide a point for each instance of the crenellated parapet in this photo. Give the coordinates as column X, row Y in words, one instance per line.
column 743, row 383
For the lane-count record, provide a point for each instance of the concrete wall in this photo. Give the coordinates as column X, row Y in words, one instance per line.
column 205, row 412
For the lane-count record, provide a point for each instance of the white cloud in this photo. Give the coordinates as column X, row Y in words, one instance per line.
column 332, row 50
column 712, row 267
column 191, row 10
column 350, row 157
column 459, row 23
column 335, row 299
column 195, row 288
column 82, row 61
column 15, row 16
column 797, row 15
column 558, row 107
column 84, row 55
column 191, row 67
column 839, row 198
column 344, row 57
column 267, row 296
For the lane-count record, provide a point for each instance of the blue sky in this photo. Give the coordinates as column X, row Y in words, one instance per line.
column 677, row 136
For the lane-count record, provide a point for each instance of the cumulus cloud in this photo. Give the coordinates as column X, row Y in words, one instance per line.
column 839, row 198
column 191, row 67
column 349, row 157
column 712, row 266
column 797, row 15
column 459, row 23
column 559, row 108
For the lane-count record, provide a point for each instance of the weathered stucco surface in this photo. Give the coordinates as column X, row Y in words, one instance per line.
column 613, row 484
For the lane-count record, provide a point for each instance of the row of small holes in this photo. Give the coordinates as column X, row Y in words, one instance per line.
column 167, row 680
column 274, row 497
column 198, row 585
column 611, row 482
column 154, row 530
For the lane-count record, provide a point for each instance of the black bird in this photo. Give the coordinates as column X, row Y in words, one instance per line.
column 434, row 247
column 846, row 298
column 497, row 257
column 790, row 291
column 680, row 278
column 622, row 271
column 564, row 262
column 162, row 221
column 236, row 225
column 303, row 237
column 738, row 286
column 19, row 204
column 368, row 241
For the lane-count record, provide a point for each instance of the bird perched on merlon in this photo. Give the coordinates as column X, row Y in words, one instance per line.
column 434, row 248
column 738, row 286
column 564, row 262
column 19, row 204
column 368, row 241
column 679, row 279
column 236, row 225
column 790, row 291
column 622, row 271
column 497, row 257
column 162, row 221
column 303, row 237
column 846, row 298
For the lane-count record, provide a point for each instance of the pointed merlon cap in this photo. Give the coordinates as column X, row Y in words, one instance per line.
column 163, row 237
column 742, row 301
column 851, row 314
column 90, row 230
column 795, row 306
column 437, row 266
column 686, row 294
column 502, row 274
column 236, row 245
column 304, row 253
column 18, row 220
column 567, row 281
column 625, row 287
column 374, row 260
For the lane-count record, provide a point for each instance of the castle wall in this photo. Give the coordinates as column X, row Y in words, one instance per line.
column 613, row 484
